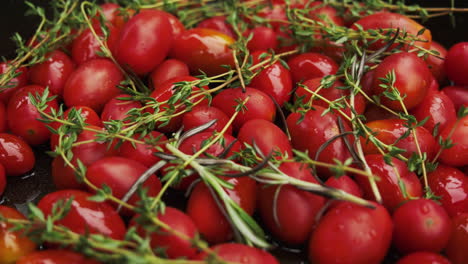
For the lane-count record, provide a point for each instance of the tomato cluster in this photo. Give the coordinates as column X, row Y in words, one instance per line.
column 353, row 149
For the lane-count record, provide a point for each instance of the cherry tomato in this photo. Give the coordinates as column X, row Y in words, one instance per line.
column 85, row 216
column 218, row 23
column 350, row 233
column 204, row 50
column 456, row 247
column 175, row 246
column 439, row 108
column 52, row 73
column 275, row 12
column 144, row 152
column 263, row 38
column 109, row 11
column 325, row 14
column 274, row 80
column 451, row 185
column 55, row 256
column 258, row 105
column 144, row 41
column 456, row 64
column 310, row 132
column 412, row 80
column 23, row 115
column 176, row 25
column 266, row 136
column 201, row 114
column 311, row 65
column 168, row 69
column 423, row 258
column 16, row 82
column 13, row 245
column 456, row 131
column 239, row 253
column 118, row 108
column 420, row 225
column 288, row 212
column 346, row 184
column 391, row 177
column 15, row 155
column 458, row 95
column 3, row 118
column 92, row 84
column 436, row 64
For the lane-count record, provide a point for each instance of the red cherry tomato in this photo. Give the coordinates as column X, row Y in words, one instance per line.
column 175, row 246
column 420, row 225
column 350, row 234
column 204, row 50
column 119, row 174
column 13, row 245
column 57, row 256
column 325, row 14
column 53, row 72
column 239, row 253
column 451, row 185
column 456, row 131
column 458, row 95
column 176, row 25
column 201, row 114
column 275, row 12
column 144, row 152
column 274, row 80
column 3, row 118
column 109, row 11
column 456, row 247
column 423, row 258
column 456, row 63
column 15, row 155
column 412, row 80
column 439, row 108
column 218, row 23
column 118, row 108
column 85, row 216
column 258, row 106
column 92, row 84
column 23, row 115
column 266, row 136
column 288, row 212
column 144, row 41
column 16, row 82
column 311, row 65
column 437, row 64
column 315, row 129
column 389, row 185
column 263, row 38
column 346, row 184
column 168, row 69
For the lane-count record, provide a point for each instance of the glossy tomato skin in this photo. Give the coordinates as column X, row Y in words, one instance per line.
column 109, row 11
column 201, row 114
column 295, row 209
column 204, row 211
column 144, row 152
column 388, row 185
column 175, row 246
column 53, row 72
column 437, row 64
column 310, row 133
column 259, row 105
column 92, row 84
column 263, row 38
column 86, row 47
column 423, row 257
column 55, row 256
column 351, row 233
column 412, row 80
column 311, row 65
column 168, row 69
column 119, row 174
column 13, row 245
column 15, row 155
column 3, row 118
column 458, row 95
column 456, row 131
column 456, row 63
column 274, row 80
column 388, row 131
column 451, row 185
column 144, row 41
column 118, row 107
column 23, row 115
column 439, row 108
column 456, row 247
column 240, row 253
column 420, row 225
column 266, row 136
column 203, row 49
column 85, row 216
column 15, row 83
column 218, row 23
column 346, row 184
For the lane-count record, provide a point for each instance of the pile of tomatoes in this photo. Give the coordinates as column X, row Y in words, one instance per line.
column 354, row 157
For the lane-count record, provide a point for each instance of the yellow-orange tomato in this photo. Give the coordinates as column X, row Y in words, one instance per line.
column 13, row 245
